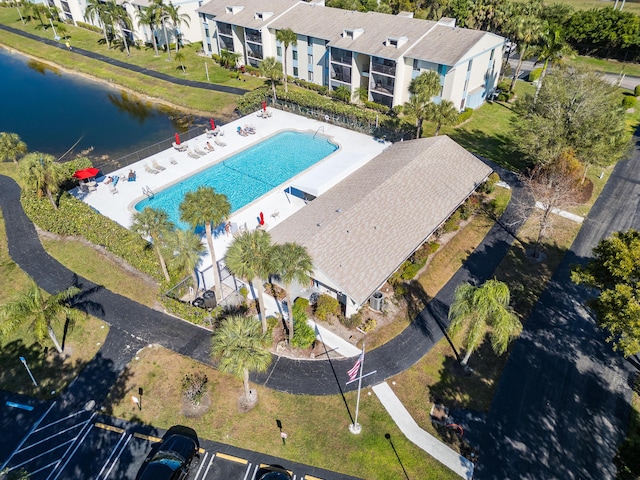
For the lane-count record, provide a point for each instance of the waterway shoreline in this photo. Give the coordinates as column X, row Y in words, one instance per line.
column 226, row 116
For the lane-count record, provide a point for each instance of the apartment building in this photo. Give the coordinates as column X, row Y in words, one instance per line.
column 377, row 52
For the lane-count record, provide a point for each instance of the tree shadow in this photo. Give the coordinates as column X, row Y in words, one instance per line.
column 497, row 146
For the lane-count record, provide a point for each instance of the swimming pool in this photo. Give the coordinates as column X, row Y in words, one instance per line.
column 249, row 174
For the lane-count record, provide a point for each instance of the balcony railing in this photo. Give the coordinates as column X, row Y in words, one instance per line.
column 386, row 69
column 224, row 29
column 345, row 59
column 254, row 37
column 341, row 77
column 254, row 53
column 381, row 88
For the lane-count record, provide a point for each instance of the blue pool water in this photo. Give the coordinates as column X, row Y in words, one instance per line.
column 249, row 174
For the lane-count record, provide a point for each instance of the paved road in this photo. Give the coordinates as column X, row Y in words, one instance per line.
column 563, row 401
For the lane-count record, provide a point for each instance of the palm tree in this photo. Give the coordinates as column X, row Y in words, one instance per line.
column 271, row 69
column 187, row 249
column 476, row 309
column 11, row 147
column 179, row 57
column 286, row 37
column 250, row 256
column 149, row 16
column 154, row 223
column 443, row 113
column 99, row 10
column 41, row 173
column 240, row 347
column 206, row 207
column 41, row 311
column 362, row 94
column 417, row 106
column 525, row 30
column 162, row 11
column 292, row 264
column 228, row 59
column 343, row 93
column 427, row 84
column 177, row 19
column 551, row 49
column 120, row 20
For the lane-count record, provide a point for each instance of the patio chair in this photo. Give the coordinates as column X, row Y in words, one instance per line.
column 173, row 161
column 200, row 152
column 192, row 154
column 113, row 189
column 148, row 169
column 219, row 142
column 157, row 166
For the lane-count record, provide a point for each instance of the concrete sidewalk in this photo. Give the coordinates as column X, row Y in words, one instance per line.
column 418, row 436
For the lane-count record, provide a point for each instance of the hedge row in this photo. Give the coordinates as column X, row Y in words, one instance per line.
column 76, row 218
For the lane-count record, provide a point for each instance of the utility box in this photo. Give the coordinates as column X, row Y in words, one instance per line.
column 376, row 301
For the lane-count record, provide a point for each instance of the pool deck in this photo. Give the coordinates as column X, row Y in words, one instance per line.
column 355, row 150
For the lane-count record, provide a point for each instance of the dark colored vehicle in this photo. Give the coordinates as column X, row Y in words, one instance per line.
column 171, row 460
column 273, row 472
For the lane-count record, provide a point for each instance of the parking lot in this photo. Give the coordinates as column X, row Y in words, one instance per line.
column 84, row 445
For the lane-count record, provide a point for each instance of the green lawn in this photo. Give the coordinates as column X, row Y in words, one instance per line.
column 629, row 6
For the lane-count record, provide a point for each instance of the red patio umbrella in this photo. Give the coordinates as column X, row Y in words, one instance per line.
column 86, row 173
column 213, row 123
column 261, row 218
column 177, row 139
column 264, row 106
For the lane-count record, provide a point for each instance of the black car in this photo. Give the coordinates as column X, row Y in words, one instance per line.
column 170, row 460
column 273, row 472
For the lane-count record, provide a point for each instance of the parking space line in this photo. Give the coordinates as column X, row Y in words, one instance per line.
column 32, row 473
column 35, row 425
column 147, row 437
column 79, row 412
column 44, row 453
column 264, row 465
column 232, row 458
column 255, row 470
column 87, row 428
column 202, row 462
column 115, row 449
column 111, row 428
column 206, row 472
column 311, row 477
column 118, row 457
column 50, row 437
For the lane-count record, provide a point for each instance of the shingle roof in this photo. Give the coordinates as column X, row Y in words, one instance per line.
column 247, row 16
column 447, row 45
column 360, row 231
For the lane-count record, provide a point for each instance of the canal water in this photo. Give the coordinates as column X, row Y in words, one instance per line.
column 52, row 111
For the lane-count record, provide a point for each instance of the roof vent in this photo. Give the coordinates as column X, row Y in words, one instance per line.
column 352, row 33
column 396, row 42
column 338, row 210
column 263, row 15
column 447, row 22
column 405, row 14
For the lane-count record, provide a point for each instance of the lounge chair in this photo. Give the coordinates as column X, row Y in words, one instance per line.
column 181, row 148
column 173, row 161
column 219, row 142
column 157, row 166
column 200, row 152
column 148, row 169
column 192, row 154
column 113, row 189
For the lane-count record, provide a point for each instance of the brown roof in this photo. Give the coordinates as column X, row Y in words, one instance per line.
column 360, row 231
column 247, row 16
column 447, row 45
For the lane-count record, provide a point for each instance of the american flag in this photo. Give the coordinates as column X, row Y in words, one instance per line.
column 353, row 373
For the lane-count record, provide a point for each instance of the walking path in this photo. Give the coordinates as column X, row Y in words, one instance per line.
column 129, row 66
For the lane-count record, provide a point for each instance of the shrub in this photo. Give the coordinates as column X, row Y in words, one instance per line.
column 194, row 386
column 188, row 312
column 303, row 334
column 490, row 183
column 465, row 115
column 352, row 321
column 87, row 26
column 535, row 74
column 300, row 304
column 378, row 107
column 326, row 306
column 411, row 270
column 368, row 325
column 636, row 91
column 244, row 292
column 453, row 222
column 272, row 322
column 628, row 101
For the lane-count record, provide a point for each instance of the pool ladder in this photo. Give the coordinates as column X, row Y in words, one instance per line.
column 147, row 191
column 319, row 128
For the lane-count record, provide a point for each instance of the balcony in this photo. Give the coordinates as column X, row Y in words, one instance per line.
column 385, row 69
column 226, row 43
column 254, row 37
column 384, row 88
column 344, row 59
column 224, row 29
column 341, row 77
column 254, row 52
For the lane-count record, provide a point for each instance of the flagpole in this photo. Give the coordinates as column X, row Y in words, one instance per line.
column 355, row 427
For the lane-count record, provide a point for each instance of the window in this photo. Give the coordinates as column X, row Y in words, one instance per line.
column 416, row 65
column 295, row 54
column 470, row 65
column 279, row 50
column 295, row 71
column 392, row 42
column 466, row 85
column 310, row 76
column 310, row 59
column 493, row 53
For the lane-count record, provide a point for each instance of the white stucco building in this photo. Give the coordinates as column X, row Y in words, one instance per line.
column 378, row 52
